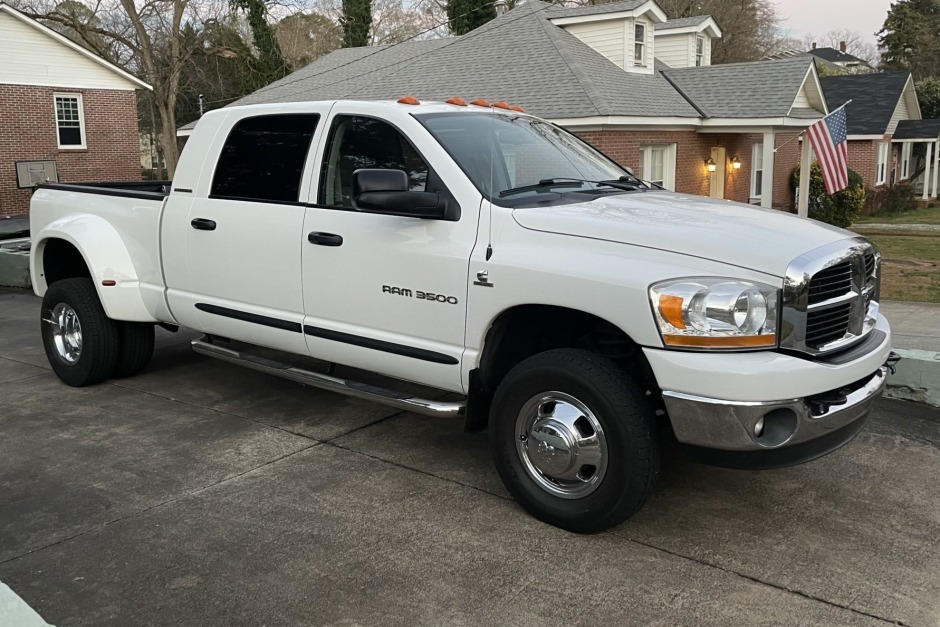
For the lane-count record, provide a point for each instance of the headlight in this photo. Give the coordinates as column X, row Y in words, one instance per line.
column 715, row 313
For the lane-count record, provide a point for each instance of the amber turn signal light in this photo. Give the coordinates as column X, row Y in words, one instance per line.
column 409, row 100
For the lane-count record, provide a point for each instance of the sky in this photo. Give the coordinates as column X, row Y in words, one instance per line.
column 819, row 16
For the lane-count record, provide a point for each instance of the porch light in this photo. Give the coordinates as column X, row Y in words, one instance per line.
column 735, row 163
column 710, row 165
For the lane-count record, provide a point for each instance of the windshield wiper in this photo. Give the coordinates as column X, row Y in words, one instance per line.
column 621, row 183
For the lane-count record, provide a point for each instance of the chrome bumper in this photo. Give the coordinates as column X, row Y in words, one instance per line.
column 722, row 425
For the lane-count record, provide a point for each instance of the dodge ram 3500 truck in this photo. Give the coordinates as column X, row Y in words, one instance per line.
column 579, row 313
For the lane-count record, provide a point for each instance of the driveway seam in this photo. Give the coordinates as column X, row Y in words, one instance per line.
column 26, row 363
column 169, row 501
column 769, row 584
column 31, row 376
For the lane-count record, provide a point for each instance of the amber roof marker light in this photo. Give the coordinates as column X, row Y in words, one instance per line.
column 460, row 102
column 517, row 108
column 480, row 102
column 501, row 105
column 409, row 100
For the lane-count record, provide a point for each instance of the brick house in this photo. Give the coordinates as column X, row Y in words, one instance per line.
column 886, row 135
column 65, row 114
column 726, row 130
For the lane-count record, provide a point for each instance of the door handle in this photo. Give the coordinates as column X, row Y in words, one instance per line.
column 203, row 224
column 325, row 239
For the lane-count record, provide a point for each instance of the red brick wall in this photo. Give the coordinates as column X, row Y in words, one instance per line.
column 863, row 156
column 692, row 149
column 28, row 133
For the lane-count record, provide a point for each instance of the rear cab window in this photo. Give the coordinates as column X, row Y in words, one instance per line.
column 263, row 158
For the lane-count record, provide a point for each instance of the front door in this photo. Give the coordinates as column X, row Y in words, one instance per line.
column 383, row 292
column 244, row 234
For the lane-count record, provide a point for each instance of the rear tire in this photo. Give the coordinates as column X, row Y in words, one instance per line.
column 81, row 342
column 574, row 440
column 136, row 348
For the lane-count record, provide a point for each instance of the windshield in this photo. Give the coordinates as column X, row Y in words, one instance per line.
column 509, row 157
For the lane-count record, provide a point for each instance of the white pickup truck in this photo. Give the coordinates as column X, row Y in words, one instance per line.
column 579, row 313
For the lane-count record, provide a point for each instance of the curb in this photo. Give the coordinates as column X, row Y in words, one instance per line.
column 14, row 268
column 917, row 377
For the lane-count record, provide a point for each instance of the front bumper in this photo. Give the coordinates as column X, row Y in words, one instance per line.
column 770, row 434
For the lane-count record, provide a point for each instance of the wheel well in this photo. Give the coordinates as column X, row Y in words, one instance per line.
column 526, row 330
column 61, row 260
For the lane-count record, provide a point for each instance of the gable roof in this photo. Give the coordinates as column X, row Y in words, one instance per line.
column 68, row 43
column 596, row 9
column 550, row 72
column 759, row 89
column 696, row 24
column 874, row 98
column 835, row 56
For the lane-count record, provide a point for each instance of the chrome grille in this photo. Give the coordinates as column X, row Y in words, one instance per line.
column 830, row 283
column 830, row 297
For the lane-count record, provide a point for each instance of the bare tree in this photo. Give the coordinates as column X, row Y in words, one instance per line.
column 145, row 37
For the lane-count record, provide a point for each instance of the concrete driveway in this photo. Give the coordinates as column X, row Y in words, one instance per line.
column 199, row 493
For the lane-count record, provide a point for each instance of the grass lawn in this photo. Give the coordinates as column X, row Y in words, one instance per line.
column 910, row 267
column 923, row 215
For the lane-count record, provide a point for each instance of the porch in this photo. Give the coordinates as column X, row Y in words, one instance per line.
column 910, row 135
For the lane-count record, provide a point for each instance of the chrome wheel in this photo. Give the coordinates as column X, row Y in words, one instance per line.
column 561, row 444
column 66, row 333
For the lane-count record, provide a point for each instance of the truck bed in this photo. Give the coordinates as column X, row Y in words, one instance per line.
column 151, row 190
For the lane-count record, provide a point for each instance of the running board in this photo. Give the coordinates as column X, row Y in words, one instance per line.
column 398, row 400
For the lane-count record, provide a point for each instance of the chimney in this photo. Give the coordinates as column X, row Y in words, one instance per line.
column 814, row 45
column 500, row 6
column 842, row 46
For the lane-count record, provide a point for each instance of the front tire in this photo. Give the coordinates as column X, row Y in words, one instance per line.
column 81, row 342
column 574, row 441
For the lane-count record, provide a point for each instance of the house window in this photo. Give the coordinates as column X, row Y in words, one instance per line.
column 757, row 171
column 699, row 51
column 639, row 43
column 906, row 160
column 70, row 121
column 658, row 165
column 881, row 166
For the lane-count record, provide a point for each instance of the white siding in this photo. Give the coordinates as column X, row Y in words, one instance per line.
column 802, row 100
column 606, row 37
column 901, row 112
column 30, row 57
column 675, row 50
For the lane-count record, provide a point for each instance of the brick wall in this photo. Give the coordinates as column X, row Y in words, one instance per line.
column 863, row 156
column 28, row 133
column 693, row 149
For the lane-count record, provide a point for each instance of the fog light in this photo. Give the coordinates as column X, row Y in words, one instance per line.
column 759, row 427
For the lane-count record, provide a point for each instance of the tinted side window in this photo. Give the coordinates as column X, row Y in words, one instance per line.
column 359, row 142
column 263, row 157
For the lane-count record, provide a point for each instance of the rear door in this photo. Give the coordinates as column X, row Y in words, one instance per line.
column 245, row 232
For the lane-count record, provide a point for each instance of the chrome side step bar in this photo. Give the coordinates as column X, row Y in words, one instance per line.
column 333, row 384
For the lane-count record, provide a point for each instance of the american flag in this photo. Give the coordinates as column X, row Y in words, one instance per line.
column 829, row 140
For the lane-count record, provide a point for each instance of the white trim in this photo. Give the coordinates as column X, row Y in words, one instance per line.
column 913, row 100
column 710, row 125
column 65, row 41
column 906, row 150
column 726, row 124
column 641, row 62
column 881, row 163
column 669, row 163
column 872, row 137
column 184, row 132
column 757, row 149
column 709, row 24
column 81, row 120
column 603, row 122
column 811, row 70
column 649, row 7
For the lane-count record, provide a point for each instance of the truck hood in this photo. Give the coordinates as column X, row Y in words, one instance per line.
column 765, row 240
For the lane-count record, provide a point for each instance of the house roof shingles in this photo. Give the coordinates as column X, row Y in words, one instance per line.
column 835, row 56
column 683, row 22
column 874, row 98
column 596, row 9
column 550, row 72
column 760, row 89
column 917, row 129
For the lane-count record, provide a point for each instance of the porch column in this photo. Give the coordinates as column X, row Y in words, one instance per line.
column 802, row 207
column 767, row 183
column 927, row 165
column 936, row 168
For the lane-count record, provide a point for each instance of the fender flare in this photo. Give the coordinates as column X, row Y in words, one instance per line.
column 106, row 257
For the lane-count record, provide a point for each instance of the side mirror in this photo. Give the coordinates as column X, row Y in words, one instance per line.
column 386, row 191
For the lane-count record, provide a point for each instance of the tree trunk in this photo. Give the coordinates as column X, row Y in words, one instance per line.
column 167, row 137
